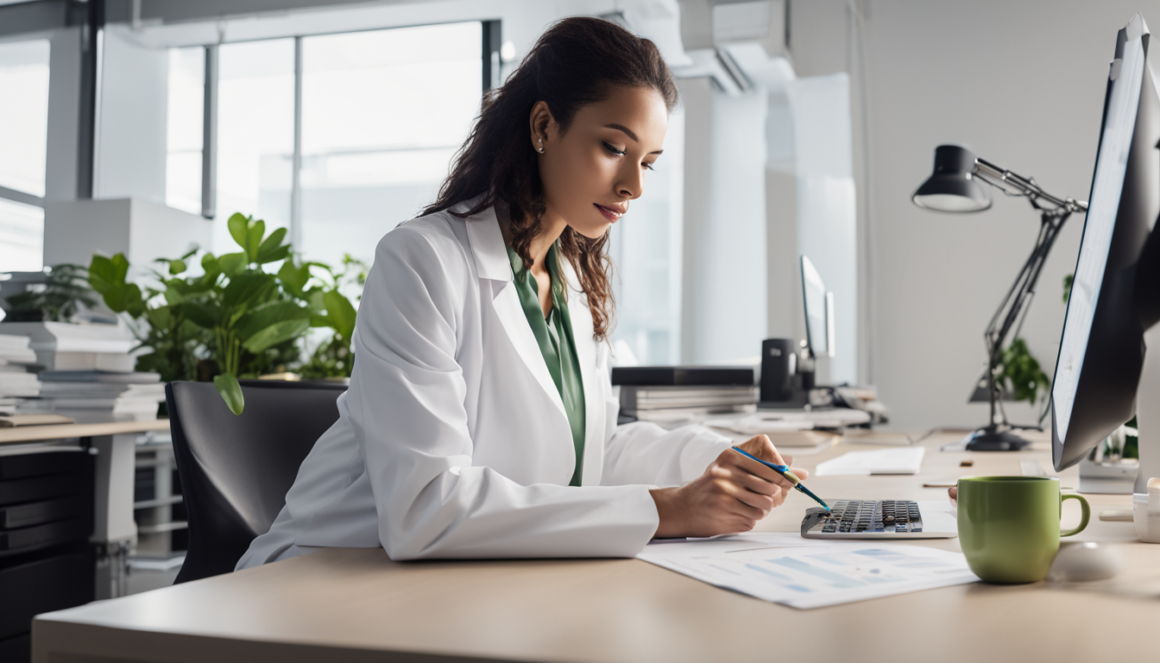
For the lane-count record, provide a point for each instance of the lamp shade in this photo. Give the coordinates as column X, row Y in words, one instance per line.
column 953, row 186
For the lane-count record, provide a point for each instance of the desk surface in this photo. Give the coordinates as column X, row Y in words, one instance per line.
column 57, row 432
column 356, row 604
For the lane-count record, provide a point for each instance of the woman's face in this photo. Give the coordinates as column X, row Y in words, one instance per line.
column 593, row 169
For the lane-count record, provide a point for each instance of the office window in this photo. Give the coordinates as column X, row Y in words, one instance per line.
column 185, row 129
column 383, row 113
column 255, row 140
column 23, row 144
column 645, row 247
column 21, row 237
column 23, row 115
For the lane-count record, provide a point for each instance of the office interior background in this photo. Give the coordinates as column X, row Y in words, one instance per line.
column 804, row 127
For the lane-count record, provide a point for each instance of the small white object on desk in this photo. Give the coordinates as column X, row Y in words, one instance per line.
column 1084, row 562
column 1146, row 511
column 781, row 421
column 879, row 461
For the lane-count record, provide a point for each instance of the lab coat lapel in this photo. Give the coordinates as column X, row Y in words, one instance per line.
column 492, row 264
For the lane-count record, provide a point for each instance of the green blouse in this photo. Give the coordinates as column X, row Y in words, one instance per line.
column 554, row 335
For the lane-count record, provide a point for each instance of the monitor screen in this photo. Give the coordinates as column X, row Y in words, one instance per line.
column 814, row 296
column 1107, row 186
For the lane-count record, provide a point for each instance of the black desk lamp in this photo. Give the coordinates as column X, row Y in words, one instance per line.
column 956, row 187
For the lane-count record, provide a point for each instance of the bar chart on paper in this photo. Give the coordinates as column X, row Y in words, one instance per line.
column 816, row 576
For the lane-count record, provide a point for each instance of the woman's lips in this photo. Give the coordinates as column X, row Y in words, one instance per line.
column 610, row 214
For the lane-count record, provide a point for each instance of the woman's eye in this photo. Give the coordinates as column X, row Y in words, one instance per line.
column 615, row 151
column 648, row 166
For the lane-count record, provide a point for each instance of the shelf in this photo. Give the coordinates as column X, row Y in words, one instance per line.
column 161, row 501
column 162, row 527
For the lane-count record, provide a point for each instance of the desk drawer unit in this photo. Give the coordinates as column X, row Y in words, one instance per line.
column 46, row 560
column 43, row 584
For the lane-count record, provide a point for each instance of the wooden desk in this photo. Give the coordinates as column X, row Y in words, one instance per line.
column 357, row 605
column 65, row 431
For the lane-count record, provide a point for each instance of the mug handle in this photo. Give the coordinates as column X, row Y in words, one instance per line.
column 1085, row 514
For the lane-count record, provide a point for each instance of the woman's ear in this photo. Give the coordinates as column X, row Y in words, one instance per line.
column 540, row 121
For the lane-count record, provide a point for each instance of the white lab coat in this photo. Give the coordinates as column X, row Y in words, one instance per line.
column 452, row 440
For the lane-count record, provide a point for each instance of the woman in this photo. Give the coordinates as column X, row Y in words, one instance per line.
column 480, row 420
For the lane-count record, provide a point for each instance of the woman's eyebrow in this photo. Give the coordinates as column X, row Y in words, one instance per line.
column 628, row 132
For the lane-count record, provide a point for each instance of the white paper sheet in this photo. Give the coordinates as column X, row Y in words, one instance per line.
column 786, row 569
column 881, row 461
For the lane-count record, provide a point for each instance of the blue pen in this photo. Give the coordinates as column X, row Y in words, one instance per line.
column 783, row 470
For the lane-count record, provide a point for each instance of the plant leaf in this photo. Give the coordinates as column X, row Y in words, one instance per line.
column 294, row 278
column 102, row 274
column 275, row 334
column 279, row 253
column 173, row 294
column 121, row 265
column 254, row 239
column 232, row 263
column 239, row 225
column 245, row 288
column 340, row 313
column 176, row 267
column 231, row 392
column 267, row 315
column 270, row 244
column 200, row 314
column 158, row 317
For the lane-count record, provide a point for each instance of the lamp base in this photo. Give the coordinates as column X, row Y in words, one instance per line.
column 991, row 439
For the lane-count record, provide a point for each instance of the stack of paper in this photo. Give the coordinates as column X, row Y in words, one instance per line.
column 784, row 568
column 16, row 381
column 88, row 372
column 907, row 460
column 95, row 396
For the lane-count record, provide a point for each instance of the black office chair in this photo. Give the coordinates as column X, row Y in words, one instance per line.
column 235, row 469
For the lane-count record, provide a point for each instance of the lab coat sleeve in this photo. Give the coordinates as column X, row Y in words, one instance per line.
column 643, row 452
column 406, row 405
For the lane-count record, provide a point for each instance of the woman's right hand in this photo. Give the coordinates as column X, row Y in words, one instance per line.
column 731, row 496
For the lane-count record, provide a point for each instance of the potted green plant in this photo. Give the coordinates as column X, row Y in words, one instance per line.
column 243, row 315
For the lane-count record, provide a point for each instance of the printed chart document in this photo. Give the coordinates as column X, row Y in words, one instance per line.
column 881, row 461
column 784, row 568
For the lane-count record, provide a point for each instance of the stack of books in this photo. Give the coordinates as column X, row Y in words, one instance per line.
column 98, row 396
column 86, row 372
column 676, row 394
column 64, row 346
column 16, row 382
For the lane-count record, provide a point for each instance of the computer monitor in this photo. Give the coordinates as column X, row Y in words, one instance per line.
column 819, row 307
column 1114, row 297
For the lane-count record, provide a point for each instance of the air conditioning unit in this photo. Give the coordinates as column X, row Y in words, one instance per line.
column 739, row 44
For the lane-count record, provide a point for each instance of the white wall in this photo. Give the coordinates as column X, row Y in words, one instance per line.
column 826, row 205
column 142, row 230
column 1022, row 84
column 724, row 271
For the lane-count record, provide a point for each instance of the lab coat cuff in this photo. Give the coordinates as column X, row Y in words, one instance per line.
column 700, row 455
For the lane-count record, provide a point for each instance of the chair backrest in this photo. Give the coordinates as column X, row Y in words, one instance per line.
column 235, row 470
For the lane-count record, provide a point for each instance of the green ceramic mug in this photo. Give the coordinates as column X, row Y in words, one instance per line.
column 1009, row 526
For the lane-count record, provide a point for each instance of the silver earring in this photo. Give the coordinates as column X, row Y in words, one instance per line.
column 541, row 146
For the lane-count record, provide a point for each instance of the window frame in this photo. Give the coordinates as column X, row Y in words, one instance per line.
column 490, row 77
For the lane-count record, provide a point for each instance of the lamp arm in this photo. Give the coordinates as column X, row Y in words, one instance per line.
column 1021, row 292
column 1014, row 184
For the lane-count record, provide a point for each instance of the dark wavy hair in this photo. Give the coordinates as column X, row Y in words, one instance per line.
column 578, row 61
